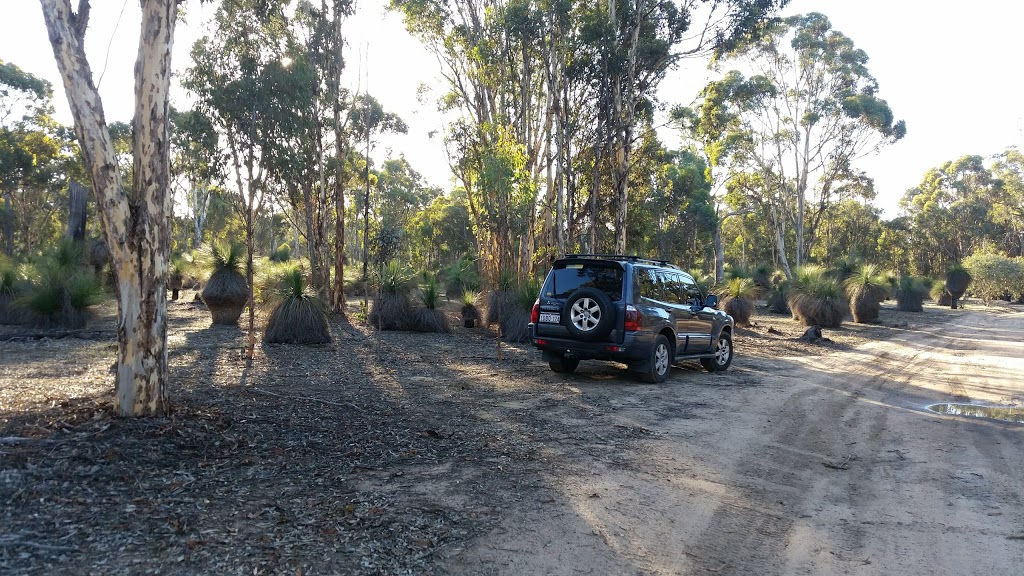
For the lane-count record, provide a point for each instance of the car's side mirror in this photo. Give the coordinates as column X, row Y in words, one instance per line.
column 711, row 301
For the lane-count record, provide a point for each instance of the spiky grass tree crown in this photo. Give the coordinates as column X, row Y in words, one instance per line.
column 222, row 258
column 957, row 280
column 527, row 293
column 815, row 297
column 8, row 276
column 469, row 298
column 744, row 288
column 299, row 317
column 430, row 293
column 868, row 280
column 396, row 279
column 738, row 297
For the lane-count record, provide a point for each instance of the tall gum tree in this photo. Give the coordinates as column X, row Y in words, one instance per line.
column 823, row 113
column 136, row 222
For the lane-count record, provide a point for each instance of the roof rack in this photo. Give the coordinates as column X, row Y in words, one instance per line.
column 628, row 257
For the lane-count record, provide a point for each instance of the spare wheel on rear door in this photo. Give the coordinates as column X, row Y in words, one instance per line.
column 589, row 314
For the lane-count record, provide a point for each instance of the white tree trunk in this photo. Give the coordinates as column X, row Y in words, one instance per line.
column 136, row 226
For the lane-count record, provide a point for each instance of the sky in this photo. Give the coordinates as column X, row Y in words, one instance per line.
column 949, row 69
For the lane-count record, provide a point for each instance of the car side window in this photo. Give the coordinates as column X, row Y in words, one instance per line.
column 651, row 286
column 692, row 295
column 672, row 286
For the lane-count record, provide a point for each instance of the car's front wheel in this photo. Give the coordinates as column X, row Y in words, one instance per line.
column 723, row 355
column 660, row 362
column 564, row 365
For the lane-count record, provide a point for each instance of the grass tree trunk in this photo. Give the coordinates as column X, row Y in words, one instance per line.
column 136, row 225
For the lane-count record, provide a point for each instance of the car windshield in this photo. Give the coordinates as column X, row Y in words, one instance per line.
column 567, row 278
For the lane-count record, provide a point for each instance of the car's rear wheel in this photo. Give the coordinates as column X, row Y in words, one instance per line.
column 589, row 314
column 660, row 361
column 564, row 365
column 723, row 355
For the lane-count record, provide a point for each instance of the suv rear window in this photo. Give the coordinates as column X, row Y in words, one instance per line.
column 571, row 276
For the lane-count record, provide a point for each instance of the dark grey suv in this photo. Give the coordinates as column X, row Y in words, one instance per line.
column 648, row 314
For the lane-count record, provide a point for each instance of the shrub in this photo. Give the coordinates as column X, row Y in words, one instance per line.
column 995, row 276
column 865, row 288
column 299, row 316
column 226, row 292
column 815, row 298
column 957, row 281
column 910, row 294
column 282, row 254
column 738, row 297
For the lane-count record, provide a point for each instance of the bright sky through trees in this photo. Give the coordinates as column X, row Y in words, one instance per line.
column 948, row 68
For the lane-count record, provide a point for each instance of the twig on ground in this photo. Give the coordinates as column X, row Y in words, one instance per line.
column 320, row 400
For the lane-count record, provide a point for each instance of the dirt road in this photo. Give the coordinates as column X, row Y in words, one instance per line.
column 791, row 465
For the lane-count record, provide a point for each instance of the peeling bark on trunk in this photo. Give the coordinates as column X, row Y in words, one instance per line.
column 136, row 226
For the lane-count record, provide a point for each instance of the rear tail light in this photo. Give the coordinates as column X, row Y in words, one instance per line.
column 535, row 313
column 634, row 321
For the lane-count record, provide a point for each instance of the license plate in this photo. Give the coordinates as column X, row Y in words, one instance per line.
column 550, row 318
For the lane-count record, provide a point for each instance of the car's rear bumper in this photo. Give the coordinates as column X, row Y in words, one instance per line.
column 633, row 347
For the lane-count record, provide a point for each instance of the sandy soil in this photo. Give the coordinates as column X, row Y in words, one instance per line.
column 801, row 464
column 406, row 453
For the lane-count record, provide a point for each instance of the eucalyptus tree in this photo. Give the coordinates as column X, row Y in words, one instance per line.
column 800, row 135
column 952, row 212
column 196, row 165
column 244, row 85
column 642, row 41
column 135, row 221
column 29, row 149
column 1009, row 169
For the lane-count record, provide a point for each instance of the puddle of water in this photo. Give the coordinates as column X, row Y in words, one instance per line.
column 994, row 412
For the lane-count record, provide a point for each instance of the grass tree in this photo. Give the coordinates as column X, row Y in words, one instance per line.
column 393, row 309
column 815, row 298
column 957, row 281
column 298, row 316
column 8, row 290
column 226, row 292
column 176, row 276
column 515, row 313
column 501, row 297
column 910, row 294
column 865, row 288
column 738, row 295
column 470, row 312
column 461, row 276
column 61, row 289
column 939, row 293
column 430, row 318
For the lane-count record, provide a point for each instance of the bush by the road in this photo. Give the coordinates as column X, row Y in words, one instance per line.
column 995, row 276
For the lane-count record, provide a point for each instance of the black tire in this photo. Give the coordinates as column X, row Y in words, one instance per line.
column 660, row 362
column 564, row 365
column 588, row 314
column 723, row 355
